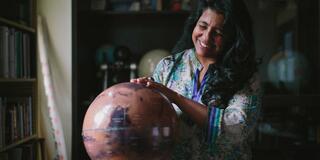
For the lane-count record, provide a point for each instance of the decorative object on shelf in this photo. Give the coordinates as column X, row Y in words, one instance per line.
column 150, row 60
column 157, row 5
column 130, row 121
column 120, row 5
column 105, row 54
column 146, row 5
column 288, row 69
column 122, row 55
column 115, row 65
column 104, row 69
column 112, row 54
column 117, row 73
column 98, row 4
column 176, row 5
column 133, row 70
column 135, row 6
column 151, row 5
column 186, row 5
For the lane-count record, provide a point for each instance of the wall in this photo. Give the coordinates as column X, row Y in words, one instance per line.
column 263, row 19
column 57, row 15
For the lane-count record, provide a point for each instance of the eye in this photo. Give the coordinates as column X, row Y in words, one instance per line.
column 218, row 32
column 202, row 26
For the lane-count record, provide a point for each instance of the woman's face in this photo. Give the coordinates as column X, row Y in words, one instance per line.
column 207, row 34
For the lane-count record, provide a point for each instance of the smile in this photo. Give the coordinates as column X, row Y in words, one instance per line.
column 203, row 45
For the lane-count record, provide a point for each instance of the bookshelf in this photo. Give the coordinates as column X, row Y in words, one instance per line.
column 17, row 25
column 19, row 137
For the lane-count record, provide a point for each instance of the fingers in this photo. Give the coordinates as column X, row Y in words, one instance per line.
column 142, row 80
column 149, row 82
column 150, row 79
column 170, row 94
column 152, row 84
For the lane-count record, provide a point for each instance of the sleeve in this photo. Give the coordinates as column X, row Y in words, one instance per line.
column 161, row 74
column 163, row 69
column 230, row 129
column 157, row 73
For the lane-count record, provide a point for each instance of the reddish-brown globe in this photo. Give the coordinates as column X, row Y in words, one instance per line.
column 130, row 121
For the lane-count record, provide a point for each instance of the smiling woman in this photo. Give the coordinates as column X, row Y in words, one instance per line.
column 212, row 79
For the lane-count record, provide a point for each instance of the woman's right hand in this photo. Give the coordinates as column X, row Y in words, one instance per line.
column 150, row 83
column 197, row 111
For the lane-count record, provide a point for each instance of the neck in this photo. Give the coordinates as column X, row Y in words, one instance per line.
column 206, row 61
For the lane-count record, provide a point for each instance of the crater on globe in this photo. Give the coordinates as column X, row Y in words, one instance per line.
column 130, row 121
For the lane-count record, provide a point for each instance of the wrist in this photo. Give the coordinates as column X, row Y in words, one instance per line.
column 176, row 97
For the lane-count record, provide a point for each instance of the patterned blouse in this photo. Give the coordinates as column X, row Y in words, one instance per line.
column 230, row 130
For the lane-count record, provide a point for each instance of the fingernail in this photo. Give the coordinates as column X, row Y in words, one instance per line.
column 150, row 78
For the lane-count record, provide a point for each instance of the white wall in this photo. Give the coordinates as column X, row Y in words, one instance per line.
column 57, row 15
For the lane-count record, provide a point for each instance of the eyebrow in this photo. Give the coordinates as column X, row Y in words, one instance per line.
column 200, row 21
column 204, row 22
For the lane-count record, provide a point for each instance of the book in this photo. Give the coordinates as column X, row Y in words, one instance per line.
column 1, row 124
column 5, row 51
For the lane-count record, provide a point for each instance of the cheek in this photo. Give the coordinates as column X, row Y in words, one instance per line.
column 194, row 35
column 218, row 41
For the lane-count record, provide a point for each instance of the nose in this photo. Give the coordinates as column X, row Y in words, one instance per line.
column 208, row 37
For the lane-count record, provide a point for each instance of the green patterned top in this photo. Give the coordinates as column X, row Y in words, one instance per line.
column 230, row 130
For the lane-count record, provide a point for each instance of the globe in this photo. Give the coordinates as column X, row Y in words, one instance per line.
column 150, row 60
column 130, row 121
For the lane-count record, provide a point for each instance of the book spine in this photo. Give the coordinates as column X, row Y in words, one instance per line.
column 5, row 51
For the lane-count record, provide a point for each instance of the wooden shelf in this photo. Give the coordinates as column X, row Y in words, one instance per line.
column 290, row 100
column 32, row 138
column 136, row 14
column 114, row 13
column 22, row 87
column 14, row 80
column 17, row 25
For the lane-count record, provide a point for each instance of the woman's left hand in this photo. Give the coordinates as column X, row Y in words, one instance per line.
column 148, row 82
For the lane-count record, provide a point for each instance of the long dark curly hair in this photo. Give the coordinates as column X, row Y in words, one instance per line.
column 238, row 63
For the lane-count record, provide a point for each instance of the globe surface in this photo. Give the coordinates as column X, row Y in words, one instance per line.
column 150, row 60
column 129, row 121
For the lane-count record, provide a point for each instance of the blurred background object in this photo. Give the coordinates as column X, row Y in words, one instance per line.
column 114, row 64
column 150, row 60
column 288, row 70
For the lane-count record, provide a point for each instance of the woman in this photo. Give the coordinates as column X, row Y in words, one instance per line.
column 212, row 80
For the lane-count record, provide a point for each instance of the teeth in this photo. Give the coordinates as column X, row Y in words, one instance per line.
column 204, row 45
